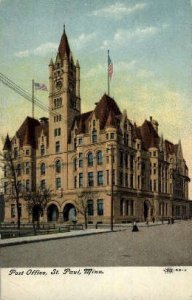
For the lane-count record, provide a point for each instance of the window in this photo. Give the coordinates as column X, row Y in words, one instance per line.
column 113, row 175
column 58, row 183
column 12, row 210
column 107, row 173
column 80, row 179
column 99, row 157
column 15, row 152
column 100, row 207
column 42, row 168
column 154, row 185
column 42, row 184
column 112, row 135
column 75, row 143
column 57, row 131
column 27, row 185
column 126, row 160
column 154, row 153
column 90, row 179
column 57, row 147
column 80, row 141
column 100, row 178
column 80, row 160
column 5, row 187
column 19, row 170
column 75, row 164
column 42, row 150
column 126, row 179
column 58, row 166
column 90, row 207
column 90, row 159
column 27, row 152
column 121, row 159
column 120, row 178
column 75, row 182
column 107, row 136
column 94, row 136
column 27, row 168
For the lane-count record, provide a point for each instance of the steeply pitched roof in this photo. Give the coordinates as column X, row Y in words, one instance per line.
column 82, row 122
column 64, row 46
column 104, row 108
column 26, row 132
column 43, row 126
column 149, row 135
column 7, row 145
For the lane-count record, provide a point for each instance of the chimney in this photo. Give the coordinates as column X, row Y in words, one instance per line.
column 154, row 123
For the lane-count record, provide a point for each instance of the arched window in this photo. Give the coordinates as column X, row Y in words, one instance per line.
column 99, row 157
column 42, row 149
column 90, row 159
column 94, row 136
column 58, row 166
column 42, row 168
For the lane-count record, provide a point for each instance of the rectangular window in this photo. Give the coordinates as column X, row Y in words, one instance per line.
column 120, row 178
column 112, row 135
column 131, row 162
column 75, row 182
column 59, row 131
column 27, row 185
column 80, row 179
column 107, row 136
column 90, row 207
column 154, row 153
column 100, row 178
column 12, row 210
column 57, row 147
column 107, row 176
column 5, row 187
column 55, row 132
column 80, row 141
column 58, row 183
column 90, row 179
column 27, row 152
column 42, row 184
column 126, row 179
column 80, row 160
column 27, row 168
column 100, row 207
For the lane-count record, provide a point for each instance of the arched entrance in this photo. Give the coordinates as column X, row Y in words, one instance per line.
column 147, row 210
column 52, row 213
column 69, row 212
column 37, row 212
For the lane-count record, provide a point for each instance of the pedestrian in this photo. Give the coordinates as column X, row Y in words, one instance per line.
column 135, row 228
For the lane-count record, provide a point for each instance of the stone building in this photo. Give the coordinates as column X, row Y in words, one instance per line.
column 97, row 156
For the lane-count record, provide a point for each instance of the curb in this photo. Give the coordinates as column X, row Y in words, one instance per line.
column 48, row 238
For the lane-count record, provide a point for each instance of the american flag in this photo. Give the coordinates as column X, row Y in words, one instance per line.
column 40, row 86
column 110, row 67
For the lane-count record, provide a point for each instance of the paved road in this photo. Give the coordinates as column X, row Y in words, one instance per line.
column 153, row 246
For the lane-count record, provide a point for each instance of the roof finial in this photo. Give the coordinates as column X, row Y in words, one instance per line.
column 64, row 28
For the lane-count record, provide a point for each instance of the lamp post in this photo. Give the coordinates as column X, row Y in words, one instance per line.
column 112, row 160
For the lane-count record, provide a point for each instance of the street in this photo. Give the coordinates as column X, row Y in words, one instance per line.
column 161, row 245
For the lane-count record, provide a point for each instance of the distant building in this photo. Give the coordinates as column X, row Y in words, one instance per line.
column 73, row 152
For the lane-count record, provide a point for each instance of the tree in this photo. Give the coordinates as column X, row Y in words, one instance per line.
column 36, row 201
column 82, row 204
column 8, row 164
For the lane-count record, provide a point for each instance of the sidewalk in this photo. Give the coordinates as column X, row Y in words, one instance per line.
column 52, row 236
column 71, row 234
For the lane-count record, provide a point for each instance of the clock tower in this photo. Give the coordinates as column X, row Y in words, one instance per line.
column 64, row 96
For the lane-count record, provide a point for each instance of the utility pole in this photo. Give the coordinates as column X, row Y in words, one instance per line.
column 33, row 99
column 112, row 160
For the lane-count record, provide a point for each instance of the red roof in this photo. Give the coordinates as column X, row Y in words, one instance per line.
column 149, row 135
column 26, row 132
column 64, row 46
column 7, row 145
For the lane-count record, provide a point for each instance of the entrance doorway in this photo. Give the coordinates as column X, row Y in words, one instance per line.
column 147, row 210
column 52, row 213
column 69, row 212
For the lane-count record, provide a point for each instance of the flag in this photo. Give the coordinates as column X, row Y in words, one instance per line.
column 40, row 86
column 110, row 67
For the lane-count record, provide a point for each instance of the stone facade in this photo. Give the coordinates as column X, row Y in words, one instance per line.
column 90, row 157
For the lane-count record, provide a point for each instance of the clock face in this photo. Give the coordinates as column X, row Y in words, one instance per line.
column 58, row 84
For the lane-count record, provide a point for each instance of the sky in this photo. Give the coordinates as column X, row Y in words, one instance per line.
column 150, row 44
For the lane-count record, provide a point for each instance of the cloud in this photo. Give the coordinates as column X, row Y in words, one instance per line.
column 83, row 40
column 44, row 49
column 118, row 10
column 123, row 35
column 24, row 53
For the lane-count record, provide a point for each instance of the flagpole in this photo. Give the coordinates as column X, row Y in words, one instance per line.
column 33, row 100
column 108, row 72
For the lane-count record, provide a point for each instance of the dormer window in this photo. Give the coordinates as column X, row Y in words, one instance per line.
column 42, row 150
column 94, row 136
